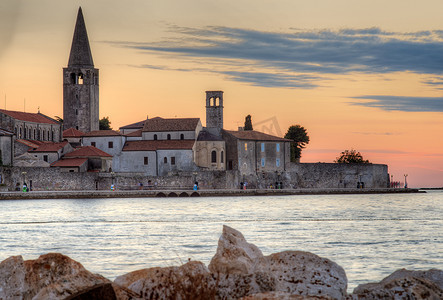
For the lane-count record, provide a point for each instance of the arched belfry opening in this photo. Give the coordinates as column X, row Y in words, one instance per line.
column 214, row 109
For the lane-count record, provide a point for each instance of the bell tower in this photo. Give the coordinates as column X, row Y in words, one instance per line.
column 214, row 109
column 80, row 83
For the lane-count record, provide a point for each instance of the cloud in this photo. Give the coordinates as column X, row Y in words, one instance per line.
column 279, row 59
column 401, row 103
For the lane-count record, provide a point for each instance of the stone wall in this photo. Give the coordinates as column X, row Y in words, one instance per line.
column 315, row 175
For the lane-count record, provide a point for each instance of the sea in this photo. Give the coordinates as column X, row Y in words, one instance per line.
column 369, row 235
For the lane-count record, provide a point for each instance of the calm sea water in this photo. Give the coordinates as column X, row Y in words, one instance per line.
column 370, row 236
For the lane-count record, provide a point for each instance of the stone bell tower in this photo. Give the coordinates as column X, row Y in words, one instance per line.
column 80, row 83
column 214, row 111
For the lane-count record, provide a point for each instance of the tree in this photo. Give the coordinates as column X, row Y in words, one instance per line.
column 248, row 123
column 58, row 119
column 300, row 139
column 104, row 124
column 351, row 157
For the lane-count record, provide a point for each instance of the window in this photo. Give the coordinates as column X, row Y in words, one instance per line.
column 45, row 158
column 145, row 160
column 262, row 147
column 165, row 160
column 110, row 145
column 277, row 146
column 213, row 156
column 277, row 162
column 168, row 137
column 93, row 144
column 20, row 133
column 221, row 157
column 246, row 146
column 173, row 160
column 182, row 136
column 230, row 165
column 155, row 137
column 263, row 162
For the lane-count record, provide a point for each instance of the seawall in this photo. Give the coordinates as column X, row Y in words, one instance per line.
column 191, row 193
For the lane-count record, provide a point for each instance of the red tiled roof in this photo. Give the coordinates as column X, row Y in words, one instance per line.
column 253, row 135
column 28, row 117
column 101, row 133
column 135, row 133
column 29, row 143
column 138, row 125
column 158, row 145
column 70, row 162
column 87, row 151
column 159, row 124
column 72, row 132
column 50, row 147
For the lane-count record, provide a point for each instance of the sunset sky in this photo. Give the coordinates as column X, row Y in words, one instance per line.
column 366, row 74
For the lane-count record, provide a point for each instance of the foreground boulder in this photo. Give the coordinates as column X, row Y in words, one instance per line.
column 51, row 276
column 189, row 281
column 240, row 269
column 403, row 284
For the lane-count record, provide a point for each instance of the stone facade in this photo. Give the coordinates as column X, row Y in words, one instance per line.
column 6, row 148
column 108, row 141
column 214, row 110
column 315, row 175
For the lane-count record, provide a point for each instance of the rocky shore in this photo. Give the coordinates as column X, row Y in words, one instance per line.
column 238, row 270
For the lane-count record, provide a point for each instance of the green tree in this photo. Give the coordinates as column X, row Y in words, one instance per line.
column 300, row 138
column 351, row 157
column 104, row 124
column 58, row 119
column 248, row 123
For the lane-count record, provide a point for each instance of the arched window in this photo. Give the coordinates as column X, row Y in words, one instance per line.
column 165, row 160
column 20, row 133
column 213, row 156
column 221, row 157
column 182, row 136
column 24, row 133
column 155, row 137
column 168, row 137
column 30, row 133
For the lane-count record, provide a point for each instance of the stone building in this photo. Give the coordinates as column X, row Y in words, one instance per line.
column 109, row 141
column 81, row 83
column 253, row 152
column 132, row 127
column 51, row 152
column 97, row 160
column 73, row 136
column 30, row 126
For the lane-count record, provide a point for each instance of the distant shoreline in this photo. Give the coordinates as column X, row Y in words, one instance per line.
column 190, row 193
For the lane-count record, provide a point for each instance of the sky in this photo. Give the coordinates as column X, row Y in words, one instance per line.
column 364, row 75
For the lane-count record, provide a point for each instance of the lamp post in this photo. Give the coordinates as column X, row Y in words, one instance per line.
column 406, row 182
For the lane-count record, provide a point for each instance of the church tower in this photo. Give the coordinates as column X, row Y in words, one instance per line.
column 214, row 111
column 80, row 83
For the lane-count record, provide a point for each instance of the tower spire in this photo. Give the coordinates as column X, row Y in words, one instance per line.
column 81, row 55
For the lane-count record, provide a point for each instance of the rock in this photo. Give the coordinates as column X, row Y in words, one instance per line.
column 103, row 291
column 51, row 276
column 281, row 296
column 189, row 281
column 304, row 273
column 12, row 278
column 403, row 284
column 240, row 269
column 234, row 255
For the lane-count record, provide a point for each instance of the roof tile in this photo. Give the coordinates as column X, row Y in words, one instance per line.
column 28, row 117
column 179, row 124
column 87, row 151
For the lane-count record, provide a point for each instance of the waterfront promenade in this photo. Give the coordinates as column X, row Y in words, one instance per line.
column 191, row 193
